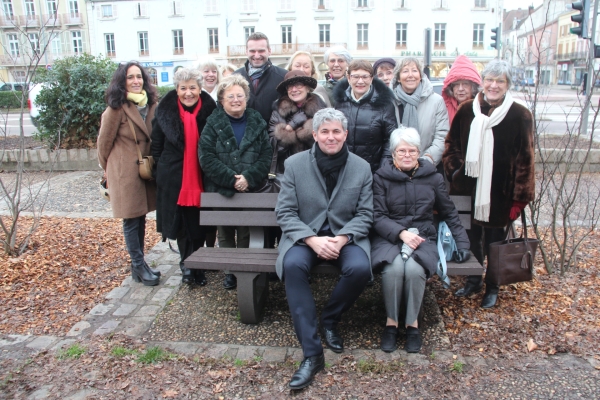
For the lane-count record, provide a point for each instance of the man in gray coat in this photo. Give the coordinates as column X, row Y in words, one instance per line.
column 325, row 210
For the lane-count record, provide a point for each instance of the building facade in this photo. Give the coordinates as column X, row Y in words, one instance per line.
column 165, row 35
column 37, row 32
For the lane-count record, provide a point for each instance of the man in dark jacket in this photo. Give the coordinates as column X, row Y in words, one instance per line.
column 262, row 76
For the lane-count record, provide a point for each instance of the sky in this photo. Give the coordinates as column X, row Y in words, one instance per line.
column 514, row 4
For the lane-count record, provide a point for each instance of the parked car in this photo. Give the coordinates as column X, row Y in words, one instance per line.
column 34, row 110
column 437, row 86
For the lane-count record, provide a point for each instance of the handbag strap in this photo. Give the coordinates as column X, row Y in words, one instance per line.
column 140, row 158
column 272, row 171
column 442, row 269
column 524, row 223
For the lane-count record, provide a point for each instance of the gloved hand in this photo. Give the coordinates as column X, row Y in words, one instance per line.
column 516, row 209
column 462, row 255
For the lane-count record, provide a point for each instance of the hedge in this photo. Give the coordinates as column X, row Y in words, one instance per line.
column 11, row 100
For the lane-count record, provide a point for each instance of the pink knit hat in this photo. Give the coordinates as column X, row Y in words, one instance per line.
column 463, row 68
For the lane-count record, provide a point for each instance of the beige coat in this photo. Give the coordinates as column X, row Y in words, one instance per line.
column 130, row 196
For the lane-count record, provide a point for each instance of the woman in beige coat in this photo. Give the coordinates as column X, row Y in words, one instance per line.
column 131, row 103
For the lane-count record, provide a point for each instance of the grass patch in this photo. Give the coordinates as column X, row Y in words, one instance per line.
column 366, row 366
column 239, row 363
column 120, row 351
column 153, row 355
column 257, row 359
column 432, row 355
column 457, row 366
column 73, row 351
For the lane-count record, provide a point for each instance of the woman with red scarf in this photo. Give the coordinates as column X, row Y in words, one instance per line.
column 178, row 123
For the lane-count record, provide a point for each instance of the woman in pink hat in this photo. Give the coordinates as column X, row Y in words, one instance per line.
column 462, row 84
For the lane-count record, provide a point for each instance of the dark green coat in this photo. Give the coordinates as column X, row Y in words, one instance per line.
column 221, row 158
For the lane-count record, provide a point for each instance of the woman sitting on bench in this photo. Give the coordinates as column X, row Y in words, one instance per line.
column 405, row 192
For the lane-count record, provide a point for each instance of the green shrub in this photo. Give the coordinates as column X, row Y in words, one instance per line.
column 72, row 100
column 11, row 100
column 162, row 90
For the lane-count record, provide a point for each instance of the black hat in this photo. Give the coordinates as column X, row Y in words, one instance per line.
column 385, row 60
column 295, row 77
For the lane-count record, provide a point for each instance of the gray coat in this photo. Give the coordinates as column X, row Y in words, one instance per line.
column 303, row 204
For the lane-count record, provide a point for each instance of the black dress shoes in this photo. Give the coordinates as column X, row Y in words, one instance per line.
column 199, row 277
column 186, row 276
column 489, row 300
column 230, row 282
column 389, row 339
column 469, row 289
column 307, row 371
column 333, row 340
column 413, row 340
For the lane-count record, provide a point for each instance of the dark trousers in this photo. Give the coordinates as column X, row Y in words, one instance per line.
column 480, row 238
column 297, row 263
column 134, row 230
column 187, row 245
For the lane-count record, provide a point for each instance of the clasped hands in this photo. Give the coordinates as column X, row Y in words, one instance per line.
column 327, row 248
column 241, row 184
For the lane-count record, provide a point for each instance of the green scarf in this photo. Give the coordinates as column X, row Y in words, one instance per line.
column 138, row 98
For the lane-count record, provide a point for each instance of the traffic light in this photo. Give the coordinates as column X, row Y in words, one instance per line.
column 496, row 41
column 581, row 18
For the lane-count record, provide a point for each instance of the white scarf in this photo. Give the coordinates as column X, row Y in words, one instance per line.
column 480, row 153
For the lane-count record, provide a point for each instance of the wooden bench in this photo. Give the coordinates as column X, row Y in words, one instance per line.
column 250, row 266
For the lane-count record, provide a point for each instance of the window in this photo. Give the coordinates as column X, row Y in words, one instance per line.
column 107, row 11
column 480, row 3
column 7, row 8
column 178, row 41
column 141, row 9
column 286, row 5
column 213, row 40
column 322, row 4
column 29, row 8
column 362, row 36
column 560, row 49
column 248, row 30
column 248, row 6
column 324, row 35
column 401, row 36
column 286, row 35
column 363, row 3
column 13, row 44
column 77, row 41
column 51, row 6
column 176, row 8
column 211, row 6
column 401, row 4
column 478, row 35
column 153, row 76
column 19, row 77
column 439, row 40
column 440, row 4
column 143, row 43
column 109, row 39
column 74, row 8
column 34, row 42
column 56, row 44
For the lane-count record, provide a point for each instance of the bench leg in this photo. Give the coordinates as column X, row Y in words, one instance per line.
column 252, row 292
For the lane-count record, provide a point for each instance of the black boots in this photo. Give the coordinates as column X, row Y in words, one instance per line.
column 144, row 274
column 230, row 282
column 473, row 285
column 304, row 375
column 491, row 296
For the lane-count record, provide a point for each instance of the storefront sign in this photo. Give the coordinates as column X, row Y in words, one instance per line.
column 164, row 77
column 157, row 64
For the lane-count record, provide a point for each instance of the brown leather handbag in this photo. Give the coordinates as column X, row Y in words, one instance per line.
column 273, row 182
column 145, row 163
column 511, row 260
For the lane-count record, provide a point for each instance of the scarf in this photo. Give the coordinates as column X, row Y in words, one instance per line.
column 410, row 103
column 479, row 162
column 256, row 73
column 330, row 166
column 138, row 98
column 329, row 78
column 191, row 180
column 462, row 68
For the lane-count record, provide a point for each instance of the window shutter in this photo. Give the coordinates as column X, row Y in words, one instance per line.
column 98, row 11
column 144, row 9
column 114, row 10
column 178, row 8
column 371, row 3
column 354, row 3
column 445, row 3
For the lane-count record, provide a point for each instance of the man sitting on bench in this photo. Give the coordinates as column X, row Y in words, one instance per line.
column 325, row 210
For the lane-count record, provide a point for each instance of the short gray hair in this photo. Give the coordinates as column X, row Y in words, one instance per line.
column 230, row 81
column 496, row 68
column 340, row 51
column 329, row 115
column 187, row 74
column 210, row 63
column 404, row 134
column 403, row 63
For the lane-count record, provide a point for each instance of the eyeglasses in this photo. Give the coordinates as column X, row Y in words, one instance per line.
column 499, row 82
column 357, row 78
column 403, row 152
column 239, row 97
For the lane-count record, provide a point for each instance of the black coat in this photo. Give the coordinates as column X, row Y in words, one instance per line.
column 370, row 121
column 266, row 93
column 401, row 202
column 167, row 150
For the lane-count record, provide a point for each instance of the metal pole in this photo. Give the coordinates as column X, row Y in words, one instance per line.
column 499, row 41
column 590, row 75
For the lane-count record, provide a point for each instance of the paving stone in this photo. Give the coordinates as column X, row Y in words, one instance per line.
column 101, row 309
column 476, row 362
column 63, row 343
column 360, row 354
column 78, row 328
column 417, row 359
column 42, row 342
column 141, row 293
column 125, row 309
column 173, row 258
column 331, row 357
column 247, row 353
column 135, row 326
column 153, row 255
column 127, row 281
column 107, row 327
column 185, row 348
column 33, row 155
column 162, row 295
column 73, row 154
column 92, row 155
column 164, row 268
column 216, row 351
column 442, row 356
column 295, row 354
column 118, row 292
column 274, row 354
column 383, row 356
column 81, row 394
column 41, row 393
column 148, row 311
column 44, row 155
column 173, row 281
column 14, row 339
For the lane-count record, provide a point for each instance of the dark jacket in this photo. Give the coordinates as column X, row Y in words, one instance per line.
column 513, row 176
column 401, row 202
column 285, row 112
column 266, row 93
column 329, row 86
column 370, row 121
column 221, row 158
column 167, row 150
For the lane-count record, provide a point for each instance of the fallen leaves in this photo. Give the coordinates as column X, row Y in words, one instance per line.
column 531, row 346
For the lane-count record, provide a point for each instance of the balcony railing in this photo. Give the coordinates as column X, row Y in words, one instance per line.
column 38, row 20
column 51, row 19
column 286, row 49
column 8, row 21
column 577, row 55
column 72, row 19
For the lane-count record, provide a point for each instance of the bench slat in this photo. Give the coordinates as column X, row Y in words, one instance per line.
column 238, row 218
column 248, row 200
column 462, row 203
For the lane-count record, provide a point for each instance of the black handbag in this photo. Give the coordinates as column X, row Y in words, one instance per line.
column 273, row 182
column 511, row 260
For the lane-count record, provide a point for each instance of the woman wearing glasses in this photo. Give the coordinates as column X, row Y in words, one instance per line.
column 405, row 191
column 368, row 104
column 235, row 154
column 489, row 156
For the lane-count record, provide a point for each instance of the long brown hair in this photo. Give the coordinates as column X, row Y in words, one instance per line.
column 116, row 94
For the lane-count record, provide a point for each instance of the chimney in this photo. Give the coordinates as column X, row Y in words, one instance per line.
column 530, row 9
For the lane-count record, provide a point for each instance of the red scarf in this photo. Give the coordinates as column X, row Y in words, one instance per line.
column 191, row 181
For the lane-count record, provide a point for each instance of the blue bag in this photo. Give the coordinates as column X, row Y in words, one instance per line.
column 447, row 250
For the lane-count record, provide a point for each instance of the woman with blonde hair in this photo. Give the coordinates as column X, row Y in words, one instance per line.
column 211, row 76
column 304, row 61
column 227, row 70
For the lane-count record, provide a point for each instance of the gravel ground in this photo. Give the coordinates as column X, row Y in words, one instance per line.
column 210, row 314
column 13, row 142
column 79, row 194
